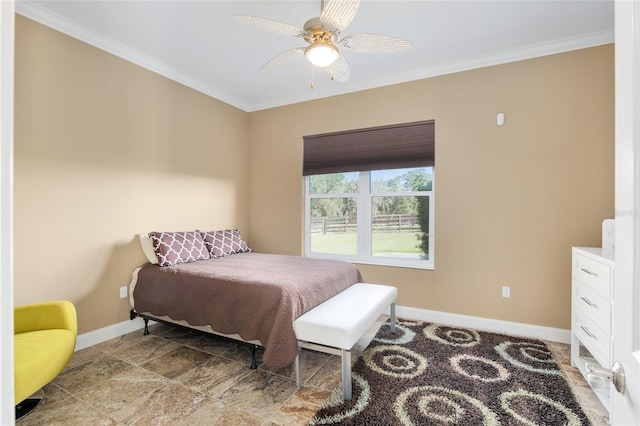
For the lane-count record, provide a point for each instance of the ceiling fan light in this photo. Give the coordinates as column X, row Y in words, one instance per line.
column 322, row 54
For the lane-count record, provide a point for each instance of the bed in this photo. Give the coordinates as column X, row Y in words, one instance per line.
column 253, row 297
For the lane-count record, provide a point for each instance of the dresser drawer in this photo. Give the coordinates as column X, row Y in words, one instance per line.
column 592, row 305
column 596, row 340
column 592, row 272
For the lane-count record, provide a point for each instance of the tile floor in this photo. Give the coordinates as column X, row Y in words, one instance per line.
column 174, row 377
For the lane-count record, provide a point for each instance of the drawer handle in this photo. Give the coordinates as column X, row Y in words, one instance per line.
column 589, row 302
column 589, row 333
column 586, row 271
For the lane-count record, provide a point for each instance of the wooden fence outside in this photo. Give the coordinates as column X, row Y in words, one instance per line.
column 380, row 223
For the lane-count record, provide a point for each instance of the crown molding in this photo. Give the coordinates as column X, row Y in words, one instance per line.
column 521, row 54
column 528, row 52
column 86, row 35
column 59, row 23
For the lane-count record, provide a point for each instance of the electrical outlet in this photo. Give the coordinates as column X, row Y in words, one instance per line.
column 506, row 292
column 123, row 292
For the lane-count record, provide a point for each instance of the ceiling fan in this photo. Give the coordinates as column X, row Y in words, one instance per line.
column 323, row 34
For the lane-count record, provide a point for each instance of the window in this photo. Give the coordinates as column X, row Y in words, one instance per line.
column 380, row 213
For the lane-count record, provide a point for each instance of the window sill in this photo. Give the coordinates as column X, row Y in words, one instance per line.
column 379, row 261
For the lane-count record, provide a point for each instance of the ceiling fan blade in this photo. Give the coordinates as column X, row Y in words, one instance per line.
column 284, row 58
column 339, row 70
column 270, row 25
column 336, row 15
column 375, row 43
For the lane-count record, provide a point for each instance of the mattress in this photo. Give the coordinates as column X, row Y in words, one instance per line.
column 255, row 296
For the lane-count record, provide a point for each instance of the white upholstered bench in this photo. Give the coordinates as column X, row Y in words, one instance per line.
column 336, row 325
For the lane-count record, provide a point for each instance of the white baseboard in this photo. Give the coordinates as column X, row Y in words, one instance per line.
column 484, row 324
column 107, row 333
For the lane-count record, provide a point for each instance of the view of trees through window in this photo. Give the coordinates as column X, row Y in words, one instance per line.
column 397, row 202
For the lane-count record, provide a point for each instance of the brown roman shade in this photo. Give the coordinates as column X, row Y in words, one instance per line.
column 396, row 146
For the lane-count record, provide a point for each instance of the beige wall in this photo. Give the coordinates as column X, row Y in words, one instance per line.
column 510, row 201
column 105, row 150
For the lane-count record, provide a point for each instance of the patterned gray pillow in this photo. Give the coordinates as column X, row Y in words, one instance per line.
column 224, row 243
column 178, row 247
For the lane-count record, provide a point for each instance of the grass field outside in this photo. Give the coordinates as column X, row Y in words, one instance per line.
column 400, row 244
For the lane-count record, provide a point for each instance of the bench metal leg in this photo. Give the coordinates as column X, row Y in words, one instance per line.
column 298, row 366
column 346, row 375
column 393, row 317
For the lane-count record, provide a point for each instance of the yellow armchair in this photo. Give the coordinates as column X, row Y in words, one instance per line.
column 44, row 340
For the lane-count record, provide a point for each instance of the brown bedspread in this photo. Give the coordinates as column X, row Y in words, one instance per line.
column 255, row 295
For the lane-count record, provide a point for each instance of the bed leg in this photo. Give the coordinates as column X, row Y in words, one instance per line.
column 253, row 358
column 146, row 326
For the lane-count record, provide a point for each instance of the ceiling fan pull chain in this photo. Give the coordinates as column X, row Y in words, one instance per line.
column 312, row 85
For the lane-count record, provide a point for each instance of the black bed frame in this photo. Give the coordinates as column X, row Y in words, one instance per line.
column 252, row 347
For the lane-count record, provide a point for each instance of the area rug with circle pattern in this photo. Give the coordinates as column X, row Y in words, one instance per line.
column 430, row 374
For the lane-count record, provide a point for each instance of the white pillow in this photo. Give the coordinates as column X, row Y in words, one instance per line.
column 147, row 248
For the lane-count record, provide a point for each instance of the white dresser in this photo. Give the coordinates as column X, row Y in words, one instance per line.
column 592, row 293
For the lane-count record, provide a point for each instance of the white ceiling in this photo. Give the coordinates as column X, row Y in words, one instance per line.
column 197, row 43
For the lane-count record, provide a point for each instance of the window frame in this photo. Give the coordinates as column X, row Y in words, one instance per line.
column 364, row 240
